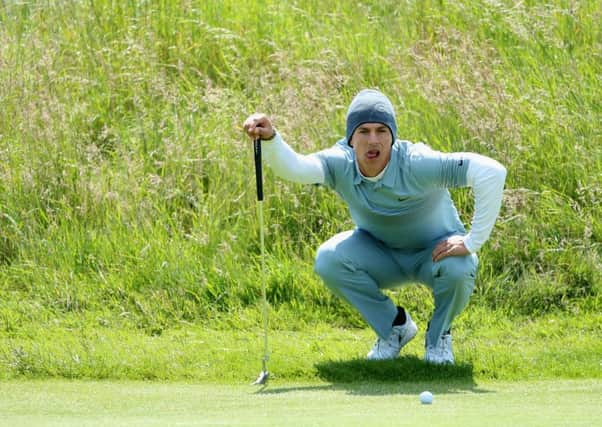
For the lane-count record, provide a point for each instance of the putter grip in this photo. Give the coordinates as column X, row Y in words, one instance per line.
column 258, row 175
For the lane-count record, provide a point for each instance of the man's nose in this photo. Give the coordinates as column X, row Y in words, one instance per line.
column 373, row 137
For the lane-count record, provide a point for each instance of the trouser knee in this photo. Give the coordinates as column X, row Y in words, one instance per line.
column 326, row 264
column 456, row 275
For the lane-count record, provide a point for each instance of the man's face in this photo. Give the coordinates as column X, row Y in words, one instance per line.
column 372, row 145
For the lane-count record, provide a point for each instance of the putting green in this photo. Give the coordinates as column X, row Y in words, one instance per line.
column 86, row 403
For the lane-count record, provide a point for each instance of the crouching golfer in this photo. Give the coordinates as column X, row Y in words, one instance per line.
column 407, row 228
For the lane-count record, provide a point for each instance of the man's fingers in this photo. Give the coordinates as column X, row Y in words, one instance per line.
column 444, row 253
column 251, row 129
column 257, row 131
column 439, row 249
column 258, row 126
column 440, row 254
column 448, row 248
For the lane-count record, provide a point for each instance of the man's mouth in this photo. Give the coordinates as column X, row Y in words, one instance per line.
column 372, row 154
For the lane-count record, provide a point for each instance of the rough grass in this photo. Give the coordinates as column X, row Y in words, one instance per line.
column 486, row 346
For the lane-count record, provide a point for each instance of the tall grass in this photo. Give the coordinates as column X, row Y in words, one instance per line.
column 126, row 188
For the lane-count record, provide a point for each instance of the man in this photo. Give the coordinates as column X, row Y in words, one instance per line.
column 407, row 227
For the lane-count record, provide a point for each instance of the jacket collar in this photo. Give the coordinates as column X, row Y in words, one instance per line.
column 387, row 180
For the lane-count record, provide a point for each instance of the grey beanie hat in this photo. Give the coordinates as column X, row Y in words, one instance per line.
column 370, row 106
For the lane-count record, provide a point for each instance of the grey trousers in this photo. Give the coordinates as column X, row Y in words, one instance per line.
column 357, row 267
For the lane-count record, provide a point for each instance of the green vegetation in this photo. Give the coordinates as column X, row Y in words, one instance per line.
column 128, row 229
column 82, row 403
column 487, row 348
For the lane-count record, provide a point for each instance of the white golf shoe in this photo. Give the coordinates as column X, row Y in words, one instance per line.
column 441, row 353
column 390, row 348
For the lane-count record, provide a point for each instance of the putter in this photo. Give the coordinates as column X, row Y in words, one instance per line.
column 264, row 375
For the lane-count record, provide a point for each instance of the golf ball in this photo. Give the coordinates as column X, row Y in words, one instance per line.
column 426, row 397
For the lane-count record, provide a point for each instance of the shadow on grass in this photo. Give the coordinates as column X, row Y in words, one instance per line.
column 402, row 369
column 405, row 375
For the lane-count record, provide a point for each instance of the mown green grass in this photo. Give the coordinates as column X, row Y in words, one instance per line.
column 541, row 403
column 127, row 199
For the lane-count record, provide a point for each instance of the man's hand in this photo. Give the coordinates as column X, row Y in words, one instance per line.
column 258, row 125
column 452, row 246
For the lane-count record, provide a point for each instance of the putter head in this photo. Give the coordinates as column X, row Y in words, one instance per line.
column 262, row 378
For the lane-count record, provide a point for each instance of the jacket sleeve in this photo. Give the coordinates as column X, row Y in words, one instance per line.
column 486, row 177
column 291, row 166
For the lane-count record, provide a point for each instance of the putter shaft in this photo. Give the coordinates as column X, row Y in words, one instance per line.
column 263, row 376
column 263, row 290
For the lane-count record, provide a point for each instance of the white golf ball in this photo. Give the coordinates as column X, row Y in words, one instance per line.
column 426, row 397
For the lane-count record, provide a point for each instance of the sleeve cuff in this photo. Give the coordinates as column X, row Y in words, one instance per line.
column 273, row 137
column 470, row 244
